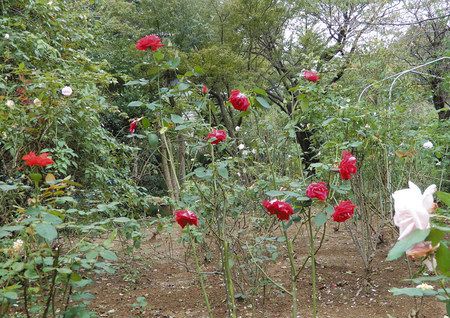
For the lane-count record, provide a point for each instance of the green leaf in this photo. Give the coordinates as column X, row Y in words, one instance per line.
column 145, row 122
column 108, row 255
column 327, row 121
column 159, row 56
column 10, row 295
column 135, row 103
column 46, row 231
column 64, row 270
column 435, row 236
column 153, row 140
column 203, row 173
column 405, row 244
column 176, row 119
column 263, row 102
column 274, row 193
column 222, row 170
column 121, row 219
column 413, row 292
column 260, row 91
column 36, row 177
column 320, row 219
column 6, row 187
column 443, row 259
column 444, row 197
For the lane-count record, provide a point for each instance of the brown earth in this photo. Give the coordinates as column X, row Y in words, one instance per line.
column 157, row 272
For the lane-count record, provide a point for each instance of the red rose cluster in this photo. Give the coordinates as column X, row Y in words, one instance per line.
column 33, row 160
column 239, row 101
column 151, row 41
column 133, row 126
column 218, row 134
column 281, row 209
column 311, row 76
column 347, row 166
column 343, row 211
column 317, row 190
column 185, row 217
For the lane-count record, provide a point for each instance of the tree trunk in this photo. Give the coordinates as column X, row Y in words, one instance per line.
column 439, row 99
column 166, row 173
column 181, row 158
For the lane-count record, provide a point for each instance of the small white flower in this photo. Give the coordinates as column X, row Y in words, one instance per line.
column 10, row 103
column 239, row 174
column 37, row 102
column 237, row 128
column 428, row 144
column 241, row 147
column 6, row 36
column 254, row 151
column 66, row 91
column 425, row 286
column 245, row 152
column 17, row 246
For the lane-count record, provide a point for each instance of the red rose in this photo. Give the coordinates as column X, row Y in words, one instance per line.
column 219, row 135
column 347, row 166
column 281, row 209
column 343, row 211
column 133, row 126
column 185, row 217
column 317, row 190
column 31, row 159
column 311, row 76
column 238, row 100
column 205, row 89
column 151, row 41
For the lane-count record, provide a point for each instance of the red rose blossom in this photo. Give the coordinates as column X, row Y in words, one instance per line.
column 317, row 190
column 343, row 211
column 238, row 100
column 281, row 209
column 311, row 76
column 218, row 134
column 185, row 217
column 42, row 160
column 205, row 89
column 133, row 126
column 347, row 166
column 151, row 41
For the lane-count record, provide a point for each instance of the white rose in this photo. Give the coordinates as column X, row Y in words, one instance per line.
column 10, row 103
column 412, row 208
column 237, row 128
column 17, row 246
column 66, row 91
column 428, row 144
column 241, row 146
column 6, row 36
column 37, row 102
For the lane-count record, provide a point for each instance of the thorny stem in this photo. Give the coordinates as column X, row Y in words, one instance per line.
column 293, row 280
column 229, row 280
column 53, row 282
column 313, row 265
column 200, row 274
column 266, row 275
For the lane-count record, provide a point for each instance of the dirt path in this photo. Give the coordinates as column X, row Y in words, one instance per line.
column 156, row 272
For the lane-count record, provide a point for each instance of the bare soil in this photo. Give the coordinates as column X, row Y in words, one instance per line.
column 156, row 272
